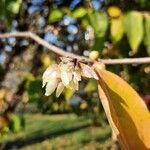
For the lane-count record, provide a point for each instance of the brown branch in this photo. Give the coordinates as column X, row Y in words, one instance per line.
column 61, row 52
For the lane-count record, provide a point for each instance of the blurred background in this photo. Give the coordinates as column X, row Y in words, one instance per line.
column 76, row 120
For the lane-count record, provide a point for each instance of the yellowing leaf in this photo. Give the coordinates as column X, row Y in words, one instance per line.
column 46, row 60
column 147, row 32
column 79, row 12
column 116, row 29
column 125, row 110
column 68, row 93
column 114, row 11
column 133, row 25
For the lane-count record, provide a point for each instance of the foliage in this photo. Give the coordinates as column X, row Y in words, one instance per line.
column 113, row 28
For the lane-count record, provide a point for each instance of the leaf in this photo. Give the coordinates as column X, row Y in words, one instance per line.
column 116, row 29
column 99, row 22
column 114, row 11
column 13, row 6
column 55, row 15
column 90, row 86
column 15, row 123
column 9, row 8
column 33, row 87
column 125, row 110
column 79, row 13
column 147, row 32
column 68, row 93
column 133, row 25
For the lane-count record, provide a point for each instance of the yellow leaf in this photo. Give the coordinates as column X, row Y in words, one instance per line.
column 114, row 11
column 116, row 29
column 46, row 60
column 125, row 110
column 68, row 93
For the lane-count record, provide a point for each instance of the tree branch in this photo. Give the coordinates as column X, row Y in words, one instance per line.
column 61, row 52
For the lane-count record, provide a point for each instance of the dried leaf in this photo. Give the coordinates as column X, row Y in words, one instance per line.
column 125, row 110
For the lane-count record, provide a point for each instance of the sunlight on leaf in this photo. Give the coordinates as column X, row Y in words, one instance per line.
column 125, row 110
column 147, row 32
column 55, row 15
column 133, row 25
column 116, row 29
column 79, row 13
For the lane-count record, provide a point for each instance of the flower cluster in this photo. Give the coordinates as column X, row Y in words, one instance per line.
column 66, row 74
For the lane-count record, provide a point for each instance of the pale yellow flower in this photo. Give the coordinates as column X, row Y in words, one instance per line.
column 68, row 73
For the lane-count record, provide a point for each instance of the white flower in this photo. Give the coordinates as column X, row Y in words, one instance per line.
column 51, row 78
column 50, row 72
column 68, row 73
column 59, row 89
column 51, row 86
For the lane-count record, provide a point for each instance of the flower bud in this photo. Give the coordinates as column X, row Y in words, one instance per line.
column 94, row 55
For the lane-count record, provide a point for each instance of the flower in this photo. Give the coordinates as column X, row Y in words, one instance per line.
column 66, row 74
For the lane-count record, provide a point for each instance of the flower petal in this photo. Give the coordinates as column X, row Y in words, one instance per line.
column 59, row 89
column 66, row 74
column 94, row 75
column 88, row 72
column 73, row 85
column 50, row 72
column 51, row 86
column 76, row 76
column 66, row 77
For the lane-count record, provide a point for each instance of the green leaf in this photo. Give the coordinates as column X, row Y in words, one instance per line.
column 133, row 25
column 13, row 6
column 147, row 32
column 90, row 86
column 99, row 43
column 55, row 15
column 125, row 110
column 99, row 22
column 9, row 8
column 15, row 123
column 116, row 29
column 33, row 87
column 79, row 13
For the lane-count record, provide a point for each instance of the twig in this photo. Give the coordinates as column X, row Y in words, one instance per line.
column 61, row 52
column 143, row 60
column 49, row 46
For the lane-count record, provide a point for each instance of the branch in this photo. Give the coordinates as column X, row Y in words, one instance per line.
column 61, row 52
